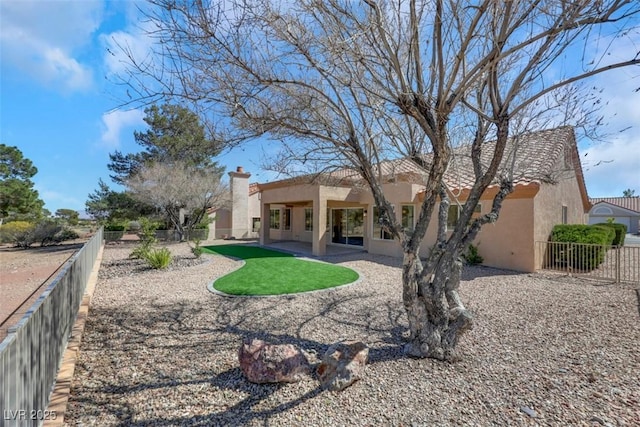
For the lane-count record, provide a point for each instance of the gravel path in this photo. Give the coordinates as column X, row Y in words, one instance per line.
column 160, row 350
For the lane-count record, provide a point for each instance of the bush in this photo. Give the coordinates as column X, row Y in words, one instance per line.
column 66, row 234
column 159, row 258
column 197, row 249
column 595, row 242
column 11, row 230
column 620, row 230
column 45, row 232
column 113, row 232
column 472, row 257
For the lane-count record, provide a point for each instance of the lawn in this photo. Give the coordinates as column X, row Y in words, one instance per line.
column 268, row 272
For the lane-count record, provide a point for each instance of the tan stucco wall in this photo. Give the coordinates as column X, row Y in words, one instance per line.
column 221, row 225
column 509, row 243
column 548, row 205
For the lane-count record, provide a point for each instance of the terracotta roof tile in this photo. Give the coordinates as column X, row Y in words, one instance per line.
column 630, row 203
column 534, row 155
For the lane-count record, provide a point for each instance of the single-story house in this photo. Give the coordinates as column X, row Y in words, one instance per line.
column 623, row 210
column 336, row 209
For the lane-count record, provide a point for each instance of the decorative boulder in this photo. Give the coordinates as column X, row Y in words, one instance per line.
column 342, row 364
column 271, row 363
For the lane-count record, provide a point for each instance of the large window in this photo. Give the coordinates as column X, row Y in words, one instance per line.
column 407, row 217
column 255, row 221
column 308, row 219
column 454, row 215
column 378, row 231
column 286, row 219
column 274, row 219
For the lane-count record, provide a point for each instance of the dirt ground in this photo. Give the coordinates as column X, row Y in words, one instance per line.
column 27, row 271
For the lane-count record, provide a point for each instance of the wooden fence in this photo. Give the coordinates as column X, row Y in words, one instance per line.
column 30, row 354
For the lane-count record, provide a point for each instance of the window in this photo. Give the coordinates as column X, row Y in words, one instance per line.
column 378, row 230
column 255, row 221
column 454, row 214
column 287, row 219
column 407, row 217
column 308, row 219
column 274, row 219
column 565, row 215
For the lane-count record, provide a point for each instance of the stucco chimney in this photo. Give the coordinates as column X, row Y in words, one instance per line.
column 239, row 183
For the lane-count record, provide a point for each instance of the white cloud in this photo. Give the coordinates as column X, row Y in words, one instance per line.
column 114, row 122
column 40, row 38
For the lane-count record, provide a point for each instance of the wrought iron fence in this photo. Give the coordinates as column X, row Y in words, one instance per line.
column 30, row 354
column 611, row 263
column 162, row 235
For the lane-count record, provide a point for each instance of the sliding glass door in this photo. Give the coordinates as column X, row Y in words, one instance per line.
column 347, row 226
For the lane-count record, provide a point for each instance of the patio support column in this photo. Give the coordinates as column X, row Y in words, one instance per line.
column 265, row 224
column 319, row 239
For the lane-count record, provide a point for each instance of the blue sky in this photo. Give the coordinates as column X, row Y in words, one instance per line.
column 56, row 102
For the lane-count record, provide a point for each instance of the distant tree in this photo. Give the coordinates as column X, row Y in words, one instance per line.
column 175, row 134
column 69, row 216
column 182, row 191
column 629, row 193
column 18, row 198
column 107, row 205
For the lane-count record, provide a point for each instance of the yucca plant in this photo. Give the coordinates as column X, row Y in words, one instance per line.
column 159, row 258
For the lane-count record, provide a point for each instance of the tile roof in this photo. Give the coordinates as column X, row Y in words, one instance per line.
column 630, row 203
column 534, row 156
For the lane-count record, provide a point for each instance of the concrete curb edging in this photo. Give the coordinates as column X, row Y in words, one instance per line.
column 62, row 388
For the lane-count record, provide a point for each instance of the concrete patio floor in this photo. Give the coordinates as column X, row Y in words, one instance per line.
column 305, row 249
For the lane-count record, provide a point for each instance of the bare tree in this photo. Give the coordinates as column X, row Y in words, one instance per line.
column 182, row 191
column 351, row 83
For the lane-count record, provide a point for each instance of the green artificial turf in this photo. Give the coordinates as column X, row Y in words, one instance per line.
column 268, row 272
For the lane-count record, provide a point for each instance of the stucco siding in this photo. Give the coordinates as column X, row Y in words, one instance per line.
column 549, row 204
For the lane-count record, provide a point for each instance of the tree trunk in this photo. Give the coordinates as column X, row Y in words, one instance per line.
column 437, row 317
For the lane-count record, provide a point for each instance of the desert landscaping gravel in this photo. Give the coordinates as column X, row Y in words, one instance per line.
column 159, row 349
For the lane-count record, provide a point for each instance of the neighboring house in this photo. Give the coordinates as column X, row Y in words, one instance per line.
column 623, row 210
column 337, row 209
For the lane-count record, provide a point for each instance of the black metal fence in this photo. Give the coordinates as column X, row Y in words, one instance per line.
column 31, row 353
column 162, row 235
column 620, row 264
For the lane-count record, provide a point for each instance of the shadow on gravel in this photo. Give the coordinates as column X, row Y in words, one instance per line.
column 174, row 349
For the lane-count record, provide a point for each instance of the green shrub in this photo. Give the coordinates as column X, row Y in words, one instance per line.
column 620, row 230
column 159, row 258
column 197, row 249
column 113, row 232
column 11, row 230
column 46, row 232
column 472, row 257
column 66, row 234
column 594, row 242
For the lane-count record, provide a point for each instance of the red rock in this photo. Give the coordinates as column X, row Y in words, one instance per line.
column 342, row 364
column 262, row 362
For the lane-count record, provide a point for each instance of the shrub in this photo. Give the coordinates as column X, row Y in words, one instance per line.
column 113, row 232
column 45, row 232
column 66, row 234
column 595, row 242
column 159, row 258
column 11, row 230
column 197, row 249
column 620, row 230
column 472, row 257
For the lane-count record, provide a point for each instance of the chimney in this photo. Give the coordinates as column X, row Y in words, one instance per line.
column 239, row 182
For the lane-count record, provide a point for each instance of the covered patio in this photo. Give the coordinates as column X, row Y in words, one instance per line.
column 306, row 248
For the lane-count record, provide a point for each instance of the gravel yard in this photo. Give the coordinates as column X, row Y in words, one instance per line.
column 160, row 350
